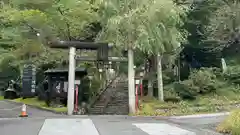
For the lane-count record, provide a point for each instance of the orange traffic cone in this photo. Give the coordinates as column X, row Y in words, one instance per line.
column 24, row 111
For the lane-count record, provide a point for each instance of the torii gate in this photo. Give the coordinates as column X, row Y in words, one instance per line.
column 102, row 55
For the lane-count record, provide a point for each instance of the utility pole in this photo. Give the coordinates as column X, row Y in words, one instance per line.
column 71, row 80
column 131, row 89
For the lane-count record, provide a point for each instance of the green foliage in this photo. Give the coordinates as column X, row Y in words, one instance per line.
column 224, row 24
column 150, row 26
column 170, row 95
column 233, row 74
column 198, row 19
column 200, row 82
column 168, row 77
column 147, row 26
column 20, row 21
column 8, row 71
column 205, row 79
column 231, row 124
column 95, row 87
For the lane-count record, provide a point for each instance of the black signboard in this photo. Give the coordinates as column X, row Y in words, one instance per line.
column 29, row 80
column 102, row 53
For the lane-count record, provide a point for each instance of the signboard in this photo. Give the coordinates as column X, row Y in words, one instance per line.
column 102, row 53
column 29, row 80
column 66, row 85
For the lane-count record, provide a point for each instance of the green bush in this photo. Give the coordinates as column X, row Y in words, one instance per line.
column 233, row 74
column 170, row 94
column 205, row 80
column 200, row 82
column 168, row 77
column 186, row 89
column 231, row 124
column 8, row 72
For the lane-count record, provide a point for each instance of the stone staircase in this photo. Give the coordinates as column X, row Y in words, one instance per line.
column 113, row 101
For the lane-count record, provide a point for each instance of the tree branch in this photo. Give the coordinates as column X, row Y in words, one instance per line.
column 67, row 24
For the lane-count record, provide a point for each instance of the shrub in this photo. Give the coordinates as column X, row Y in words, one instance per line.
column 170, row 94
column 231, row 124
column 200, row 82
column 168, row 77
column 233, row 74
column 186, row 89
column 204, row 80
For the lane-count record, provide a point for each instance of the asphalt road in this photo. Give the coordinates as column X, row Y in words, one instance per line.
column 202, row 124
column 12, row 110
column 46, row 123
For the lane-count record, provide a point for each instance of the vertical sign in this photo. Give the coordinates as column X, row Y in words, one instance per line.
column 33, row 86
column 29, row 80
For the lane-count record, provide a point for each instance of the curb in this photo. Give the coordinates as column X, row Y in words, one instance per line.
column 196, row 116
column 131, row 117
column 36, row 107
column 200, row 116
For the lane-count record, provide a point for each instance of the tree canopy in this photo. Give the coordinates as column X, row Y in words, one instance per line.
column 21, row 21
column 148, row 25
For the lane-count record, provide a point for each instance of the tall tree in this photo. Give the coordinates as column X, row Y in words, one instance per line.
column 148, row 25
column 198, row 18
column 22, row 20
column 224, row 27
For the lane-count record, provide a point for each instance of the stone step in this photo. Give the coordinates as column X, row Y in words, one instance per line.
column 116, row 113
column 95, row 111
column 116, row 109
column 117, row 104
column 119, row 100
column 98, row 106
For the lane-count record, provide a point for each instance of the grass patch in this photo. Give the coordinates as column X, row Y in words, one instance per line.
column 1, row 98
column 231, row 124
column 221, row 102
column 41, row 104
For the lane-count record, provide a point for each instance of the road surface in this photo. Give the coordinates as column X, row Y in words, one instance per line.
column 46, row 123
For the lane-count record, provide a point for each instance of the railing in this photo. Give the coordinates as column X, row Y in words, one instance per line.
column 109, row 98
column 98, row 95
column 107, row 101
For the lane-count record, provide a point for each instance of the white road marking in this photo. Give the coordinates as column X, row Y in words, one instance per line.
column 10, row 119
column 162, row 129
column 68, row 127
column 10, row 109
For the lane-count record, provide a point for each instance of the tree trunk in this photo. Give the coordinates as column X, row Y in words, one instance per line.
column 151, row 75
column 159, row 76
column 150, row 82
column 131, row 88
